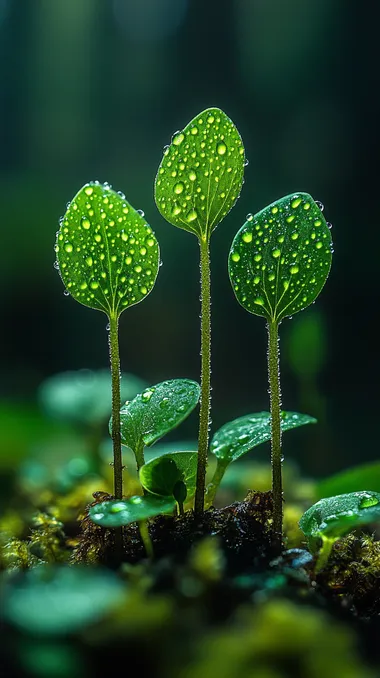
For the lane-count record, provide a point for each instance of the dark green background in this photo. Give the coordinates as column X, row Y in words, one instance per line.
column 94, row 89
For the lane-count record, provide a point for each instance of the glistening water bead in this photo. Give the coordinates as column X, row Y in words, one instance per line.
column 288, row 249
column 101, row 237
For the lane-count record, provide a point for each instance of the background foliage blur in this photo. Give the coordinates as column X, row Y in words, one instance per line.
column 94, row 89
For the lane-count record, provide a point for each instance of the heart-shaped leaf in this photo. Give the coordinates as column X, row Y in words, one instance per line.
column 281, row 257
column 160, row 476
column 156, row 411
column 84, row 396
column 333, row 517
column 116, row 513
column 201, row 174
column 108, row 255
column 239, row 436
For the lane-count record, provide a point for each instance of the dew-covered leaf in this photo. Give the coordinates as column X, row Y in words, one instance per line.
column 116, row 513
column 351, row 480
column 201, row 174
column 281, row 257
column 84, row 396
column 156, row 411
column 335, row 516
column 57, row 600
column 239, row 436
column 161, row 475
column 108, row 255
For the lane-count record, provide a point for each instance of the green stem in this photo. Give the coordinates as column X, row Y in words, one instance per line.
column 275, row 408
column 145, row 538
column 221, row 467
column 324, row 553
column 205, row 405
column 139, row 455
column 115, row 377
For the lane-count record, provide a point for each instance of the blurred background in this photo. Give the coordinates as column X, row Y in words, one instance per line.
column 94, row 89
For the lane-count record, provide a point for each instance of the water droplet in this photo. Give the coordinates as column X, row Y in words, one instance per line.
column 178, row 188
column 141, row 213
column 89, row 261
column 294, row 236
column 191, row 216
column 274, row 210
column 247, row 236
column 257, row 257
column 290, row 219
column 176, row 210
column 146, row 396
column 68, row 247
column 296, row 202
column 94, row 284
column 294, row 269
column 116, row 508
column 318, row 245
column 320, row 205
column 192, row 175
column 98, row 516
column 329, row 224
column 178, row 138
column 56, row 265
column 89, row 190
column 259, row 301
column 164, row 403
column 221, row 148
column 194, row 130
column 66, row 293
column 246, row 162
column 85, row 223
column 150, row 242
column 210, row 119
column 367, row 501
column 135, row 500
column 306, row 206
column 276, row 253
column 235, row 256
column 249, row 217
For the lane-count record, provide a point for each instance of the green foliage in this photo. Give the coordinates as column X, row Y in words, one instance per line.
column 201, row 174
column 108, row 255
column 164, row 475
column 281, row 257
column 156, row 411
column 333, row 517
column 241, row 435
column 84, row 396
column 351, row 480
column 56, row 600
column 117, row 513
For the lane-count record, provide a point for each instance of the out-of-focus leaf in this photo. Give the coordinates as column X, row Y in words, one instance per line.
column 116, row 513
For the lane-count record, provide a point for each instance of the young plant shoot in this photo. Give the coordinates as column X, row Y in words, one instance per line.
column 198, row 182
column 278, row 263
column 108, row 259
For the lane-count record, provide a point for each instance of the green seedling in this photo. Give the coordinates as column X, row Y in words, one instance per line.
column 108, row 259
column 278, row 263
column 331, row 518
column 241, row 435
column 117, row 514
column 172, row 474
column 155, row 412
column 198, row 182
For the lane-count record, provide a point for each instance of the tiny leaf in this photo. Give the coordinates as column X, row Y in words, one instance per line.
column 335, row 516
column 116, row 513
column 201, row 174
column 280, row 258
column 156, row 411
column 239, row 436
column 162, row 475
column 108, row 255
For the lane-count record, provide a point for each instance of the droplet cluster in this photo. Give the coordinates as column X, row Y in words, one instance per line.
column 281, row 257
column 107, row 254
column 201, row 173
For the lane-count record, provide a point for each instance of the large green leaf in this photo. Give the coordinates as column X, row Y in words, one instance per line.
column 351, row 480
column 108, row 255
column 334, row 516
column 201, row 174
column 161, row 475
column 84, row 396
column 281, row 257
column 239, row 436
column 116, row 513
column 156, row 411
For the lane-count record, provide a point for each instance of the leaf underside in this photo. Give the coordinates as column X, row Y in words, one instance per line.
column 201, row 174
column 239, row 436
column 156, row 411
column 116, row 513
column 108, row 255
column 281, row 257
column 160, row 475
column 334, row 516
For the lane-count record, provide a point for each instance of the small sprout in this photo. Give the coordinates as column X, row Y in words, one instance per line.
column 198, row 182
column 278, row 263
column 332, row 517
column 155, row 412
column 116, row 513
column 241, row 435
column 172, row 474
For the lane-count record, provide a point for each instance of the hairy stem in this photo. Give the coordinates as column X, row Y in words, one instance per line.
column 115, row 377
column 275, row 408
column 212, row 488
column 205, row 405
column 139, row 455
